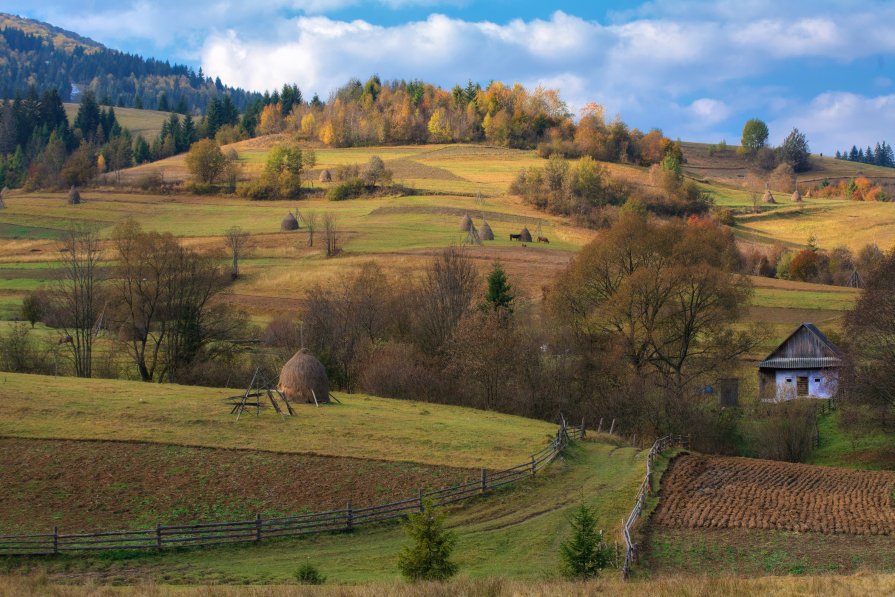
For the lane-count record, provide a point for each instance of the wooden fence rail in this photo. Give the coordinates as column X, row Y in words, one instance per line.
column 257, row 529
column 660, row 444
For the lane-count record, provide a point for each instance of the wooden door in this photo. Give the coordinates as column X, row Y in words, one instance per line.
column 802, row 386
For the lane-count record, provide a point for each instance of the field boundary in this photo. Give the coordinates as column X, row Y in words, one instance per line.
column 254, row 530
column 660, row 444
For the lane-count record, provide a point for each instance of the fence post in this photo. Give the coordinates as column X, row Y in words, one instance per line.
column 581, row 435
column 349, row 520
column 55, row 539
column 634, row 440
column 532, row 465
column 158, row 535
column 612, row 427
column 419, row 495
column 484, row 480
column 600, row 426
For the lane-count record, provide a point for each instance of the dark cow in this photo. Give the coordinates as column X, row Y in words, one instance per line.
column 515, row 236
column 543, row 239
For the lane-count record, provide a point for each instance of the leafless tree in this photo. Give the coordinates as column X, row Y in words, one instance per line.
column 76, row 298
column 237, row 241
column 444, row 296
column 311, row 224
column 330, row 234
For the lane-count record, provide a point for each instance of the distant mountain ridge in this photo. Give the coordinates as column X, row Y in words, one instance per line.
column 48, row 57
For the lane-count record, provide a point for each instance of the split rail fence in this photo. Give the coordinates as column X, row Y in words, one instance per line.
column 646, row 487
column 254, row 530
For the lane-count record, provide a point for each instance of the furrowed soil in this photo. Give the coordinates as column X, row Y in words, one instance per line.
column 102, row 485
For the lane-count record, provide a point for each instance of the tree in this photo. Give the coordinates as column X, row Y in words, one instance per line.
column 795, row 151
column 755, row 135
column 77, row 299
column 584, row 554
column 499, row 296
column 439, row 126
column 310, row 225
column 205, row 161
column 444, row 296
column 376, row 172
column 237, row 241
column 429, row 557
column 32, row 308
column 330, row 234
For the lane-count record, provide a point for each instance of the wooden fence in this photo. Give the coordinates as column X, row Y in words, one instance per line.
column 254, row 530
column 645, row 489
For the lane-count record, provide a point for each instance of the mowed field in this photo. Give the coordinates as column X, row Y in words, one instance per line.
column 147, row 123
column 749, row 516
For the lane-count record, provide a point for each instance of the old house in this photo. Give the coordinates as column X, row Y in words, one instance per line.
column 806, row 365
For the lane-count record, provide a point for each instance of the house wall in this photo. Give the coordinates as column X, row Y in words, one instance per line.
column 825, row 387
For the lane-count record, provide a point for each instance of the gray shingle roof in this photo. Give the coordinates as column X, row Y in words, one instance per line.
column 800, row 363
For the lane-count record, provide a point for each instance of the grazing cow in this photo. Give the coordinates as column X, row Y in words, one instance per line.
column 515, row 236
column 543, row 239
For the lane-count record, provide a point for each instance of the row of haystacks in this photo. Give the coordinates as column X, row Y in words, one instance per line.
column 486, row 233
column 769, row 197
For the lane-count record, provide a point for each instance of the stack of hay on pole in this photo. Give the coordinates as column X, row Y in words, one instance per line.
column 3, row 195
column 74, row 197
column 485, row 231
column 326, row 176
column 289, row 222
column 525, row 235
column 796, row 196
column 465, row 223
column 303, row 379
column 768, row 197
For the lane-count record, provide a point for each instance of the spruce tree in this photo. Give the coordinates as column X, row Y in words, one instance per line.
column 500, row 294
column 429, row 557
column 585, row 553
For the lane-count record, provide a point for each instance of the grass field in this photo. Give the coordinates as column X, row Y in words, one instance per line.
column 147, row 123
column 44, row 407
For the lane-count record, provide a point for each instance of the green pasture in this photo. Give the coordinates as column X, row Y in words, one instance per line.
column 361, row 426
column 147, row 123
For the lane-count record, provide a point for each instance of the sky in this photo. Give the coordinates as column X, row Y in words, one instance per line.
column 696, row 69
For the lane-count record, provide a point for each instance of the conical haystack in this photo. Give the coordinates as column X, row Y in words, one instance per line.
column 289, row 223
column 485, row 232
column 768, row 197
column 465, row 223
column 303, row 378
column 525, row 235
column 74, row 197
column 797, row 196
column 326, row 176
column 3, row 195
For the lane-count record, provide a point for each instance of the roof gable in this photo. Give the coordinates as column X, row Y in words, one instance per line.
column 806, row 346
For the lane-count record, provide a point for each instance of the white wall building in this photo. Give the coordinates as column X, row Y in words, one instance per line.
column 805, row 365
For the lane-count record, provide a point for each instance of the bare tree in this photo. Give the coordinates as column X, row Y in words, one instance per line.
column 311, row 224
column 330, row 235
column 76, row 298
column 237, row 240
column 444, row 296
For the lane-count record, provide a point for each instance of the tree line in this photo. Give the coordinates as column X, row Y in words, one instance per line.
column 881, row 155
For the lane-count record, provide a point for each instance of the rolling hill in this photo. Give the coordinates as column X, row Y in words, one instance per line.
column 147, row 123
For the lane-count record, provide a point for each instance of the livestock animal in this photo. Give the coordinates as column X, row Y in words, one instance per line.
column 515, row 236
column 543, row 239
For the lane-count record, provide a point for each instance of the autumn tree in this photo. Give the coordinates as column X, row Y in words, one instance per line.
column 205, row 161
column 444, row 296
column 755, row 135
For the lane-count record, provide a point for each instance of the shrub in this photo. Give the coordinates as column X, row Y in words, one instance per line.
column 585, row 553
column 429, row 556
column 152, row 181
column 256, row 190
column 308, row 574
column 201, row 188
column 348, row 189
column 725, row 217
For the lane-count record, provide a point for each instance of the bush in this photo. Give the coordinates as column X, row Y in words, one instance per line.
column 152, row 181
column 585, row 553
column 725, row 217
column 788, row 432
column 308, row 574
column 348, row 189
column 429, row 556
column 201, row 188
column 256, row 190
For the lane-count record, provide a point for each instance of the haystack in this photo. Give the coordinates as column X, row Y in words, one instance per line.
column 326, row 176
column 74, row 197
column 303, row 378
column 3, row 195
column 768, row 198
column 797, row 196
column 289, row 223
column 465, row 223
column 485, row 232
column 525, row 235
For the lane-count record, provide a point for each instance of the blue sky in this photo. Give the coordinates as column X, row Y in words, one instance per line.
column 696, row 69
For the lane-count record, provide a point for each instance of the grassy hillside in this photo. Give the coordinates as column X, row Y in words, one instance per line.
column 147, row 123
column 361, row 426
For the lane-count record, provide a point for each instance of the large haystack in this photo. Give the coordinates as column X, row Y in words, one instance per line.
column 326, row 176
column 796, row 196
column 3, row 194
column 525, row 235
column 289, row 222
column 465, row 223
column 303, row 378
column 485, row 232
column 74, row 197
column 768, row 197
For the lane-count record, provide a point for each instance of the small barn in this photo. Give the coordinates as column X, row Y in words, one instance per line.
column 805, row 365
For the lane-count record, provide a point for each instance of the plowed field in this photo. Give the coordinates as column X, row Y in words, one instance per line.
column 743, row 493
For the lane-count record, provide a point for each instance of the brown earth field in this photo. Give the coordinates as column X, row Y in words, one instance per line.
column 104, row 485
column 726, row 492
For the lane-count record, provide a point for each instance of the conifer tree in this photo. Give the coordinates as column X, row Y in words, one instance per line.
column 585, row 553
column 499, row 296
column 429, row 557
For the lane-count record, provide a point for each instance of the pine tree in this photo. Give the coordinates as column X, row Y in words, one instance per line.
column 428, row 558
column 500, row 294
column 853, row 154
column 585, row 553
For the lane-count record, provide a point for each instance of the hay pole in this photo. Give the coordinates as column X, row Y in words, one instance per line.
column 314, row 394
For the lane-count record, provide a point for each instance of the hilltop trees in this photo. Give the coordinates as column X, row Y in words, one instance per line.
column 205, row 161
column 755, row 135
column 795, row 152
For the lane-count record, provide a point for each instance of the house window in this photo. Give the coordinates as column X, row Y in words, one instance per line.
column 816, row 380
column 802, row 386
column 788, row 380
